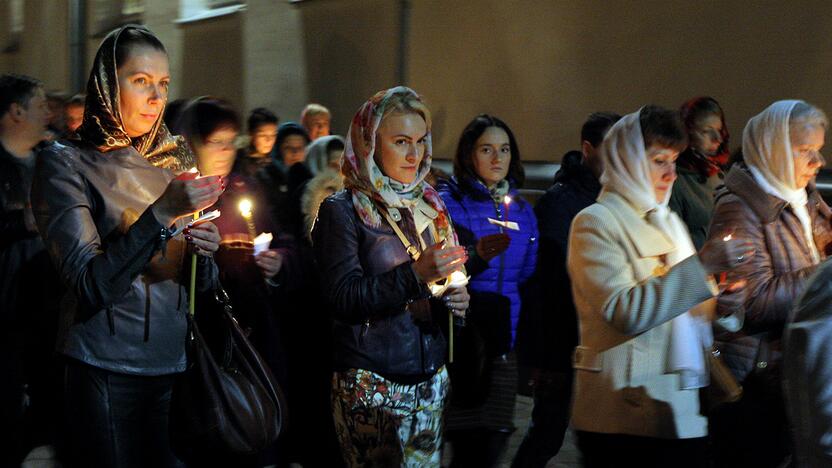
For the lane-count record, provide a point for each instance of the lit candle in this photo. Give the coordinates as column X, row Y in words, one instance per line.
column 245, row 207
column 192, row 173
column 506, row 202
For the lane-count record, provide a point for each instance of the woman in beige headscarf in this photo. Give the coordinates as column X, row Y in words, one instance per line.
column 639, row 289
column 770, row 200
column 105, row 203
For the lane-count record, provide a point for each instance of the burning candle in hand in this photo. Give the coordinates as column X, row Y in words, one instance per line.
column 245, row 207
column 506, row 203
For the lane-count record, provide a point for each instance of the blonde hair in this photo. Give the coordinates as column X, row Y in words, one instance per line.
column 805, row 116
column 402, row 103
column 311, row 110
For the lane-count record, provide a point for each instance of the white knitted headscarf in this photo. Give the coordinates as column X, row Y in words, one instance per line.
column 767, row 150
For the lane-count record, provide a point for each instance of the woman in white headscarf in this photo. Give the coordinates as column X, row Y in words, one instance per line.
column 771, row 201
column 643, row 298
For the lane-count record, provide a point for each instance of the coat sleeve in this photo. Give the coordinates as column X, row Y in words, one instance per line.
column 13, row 227
column 530, row 260
column 355, row 296
column 98, row 275
column 770, row 295
column 603, row 277
column 467, row 237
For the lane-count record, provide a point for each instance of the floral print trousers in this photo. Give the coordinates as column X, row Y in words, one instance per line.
column 380, row 423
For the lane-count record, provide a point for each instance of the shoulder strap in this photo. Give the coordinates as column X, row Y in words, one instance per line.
column 411, row 249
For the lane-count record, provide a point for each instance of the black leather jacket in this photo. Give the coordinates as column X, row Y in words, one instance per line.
column 368, row 280
column 127, row 299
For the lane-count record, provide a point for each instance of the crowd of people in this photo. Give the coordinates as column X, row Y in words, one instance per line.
column 396, row 305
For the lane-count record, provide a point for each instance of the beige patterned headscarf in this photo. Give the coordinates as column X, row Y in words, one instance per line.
column 102, row 126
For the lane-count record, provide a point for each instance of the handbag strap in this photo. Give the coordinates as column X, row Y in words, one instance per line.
column 411, row 249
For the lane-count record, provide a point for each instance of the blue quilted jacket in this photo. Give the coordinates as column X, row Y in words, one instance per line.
column 470, row 205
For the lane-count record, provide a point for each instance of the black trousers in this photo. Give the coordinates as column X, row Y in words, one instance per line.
column 550, row 419
column 625, row 451
column 116, row 420
column 754, row 431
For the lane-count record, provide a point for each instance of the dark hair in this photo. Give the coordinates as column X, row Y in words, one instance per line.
column 77, row 100
column 698, row 107
column 209, row 114
column 334, row 145
column 173, row 114
column 596, row 126
column 16, row 89
column 261, row 116
column 662, row 127
column 463, row 161
column 135, row 36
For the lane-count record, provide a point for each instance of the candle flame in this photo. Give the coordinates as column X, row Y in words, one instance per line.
column 728, row 237
column 245, row 207
column 506, row 199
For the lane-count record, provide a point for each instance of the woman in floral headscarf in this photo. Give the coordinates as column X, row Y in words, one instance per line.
column 104, row 205
column 379, row 244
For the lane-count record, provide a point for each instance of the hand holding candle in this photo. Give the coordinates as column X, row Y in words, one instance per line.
column 186, row 195
column 437, row 262
column 246, row 207
column 725, row 253
column 492, row 245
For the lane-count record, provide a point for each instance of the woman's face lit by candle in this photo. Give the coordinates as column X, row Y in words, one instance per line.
column 662, row 162
column 143, row 81
column 706, row 136
column 215, row 155
column 807, row 142
column 492, row 156
column 400, row 145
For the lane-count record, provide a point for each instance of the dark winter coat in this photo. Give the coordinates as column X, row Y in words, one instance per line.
column 550, row 335
column 778, row 271
column 368, row 281
column 125, row 310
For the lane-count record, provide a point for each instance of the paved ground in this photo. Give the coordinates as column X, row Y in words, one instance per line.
column 568, row 456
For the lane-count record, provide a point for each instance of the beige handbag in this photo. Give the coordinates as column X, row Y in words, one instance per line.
column 724, row 387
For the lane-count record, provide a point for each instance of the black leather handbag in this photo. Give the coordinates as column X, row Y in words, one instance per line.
column 227, row 401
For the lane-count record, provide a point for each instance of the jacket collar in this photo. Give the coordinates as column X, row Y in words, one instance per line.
column 741, row 183
column 649, row 241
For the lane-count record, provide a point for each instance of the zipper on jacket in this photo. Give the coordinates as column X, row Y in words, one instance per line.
column 111, row 321
column 499, row 211
column 365, row 327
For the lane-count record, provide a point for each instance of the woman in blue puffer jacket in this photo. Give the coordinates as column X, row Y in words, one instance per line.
column 487, row 173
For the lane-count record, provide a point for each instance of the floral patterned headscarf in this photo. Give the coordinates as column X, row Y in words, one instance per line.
column 369, row 186
column 102, row 126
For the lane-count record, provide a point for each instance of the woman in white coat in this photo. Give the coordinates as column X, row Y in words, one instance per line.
column 643, row 298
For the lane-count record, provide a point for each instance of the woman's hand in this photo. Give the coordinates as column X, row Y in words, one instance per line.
column 492, row 245
column 270, row 261
column 438, row 262
column 456, row 299
column 204, row 238
column 719, row 254
column 732, row 298
column 184, row 197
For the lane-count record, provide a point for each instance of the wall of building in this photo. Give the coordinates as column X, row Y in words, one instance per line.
column 541, row 65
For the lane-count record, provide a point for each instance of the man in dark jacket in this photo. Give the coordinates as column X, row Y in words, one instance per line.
column 549, row 337
column 28, row 313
